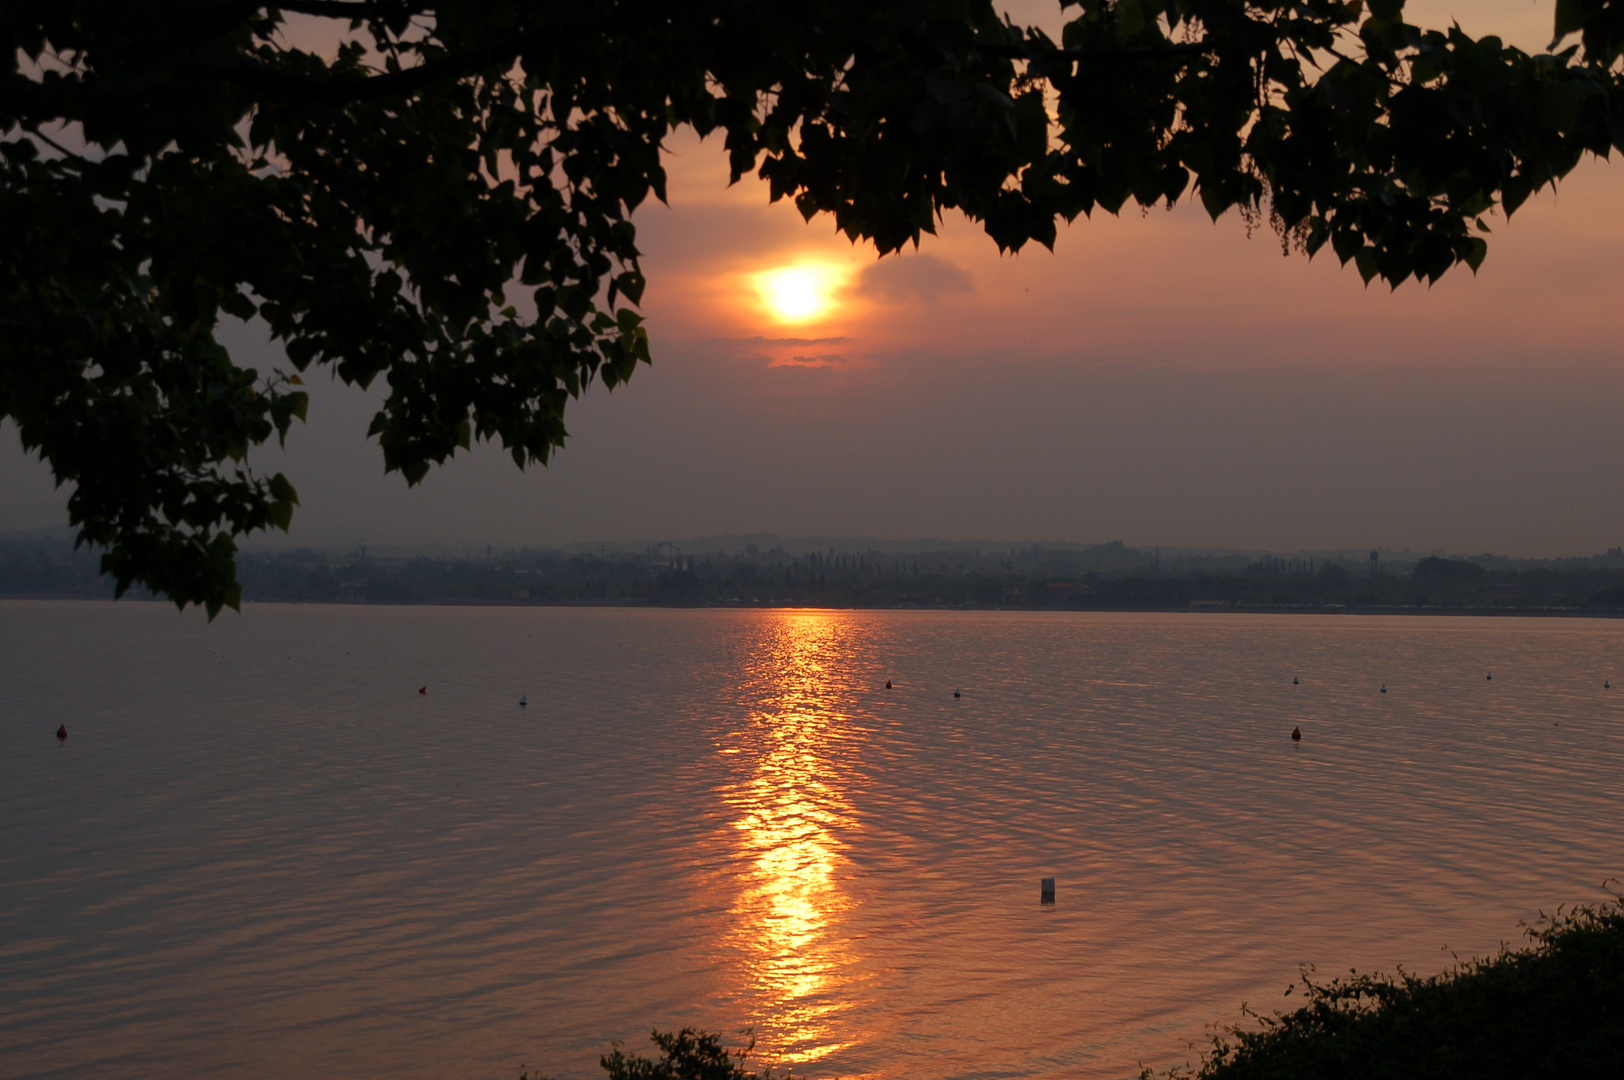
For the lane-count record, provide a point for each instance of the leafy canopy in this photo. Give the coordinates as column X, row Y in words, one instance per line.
column 445, row 201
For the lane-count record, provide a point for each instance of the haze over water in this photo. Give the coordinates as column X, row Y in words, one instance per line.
column 261, row 853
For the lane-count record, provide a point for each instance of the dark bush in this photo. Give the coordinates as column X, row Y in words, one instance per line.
column 689, row 1055
column 1553, row 1010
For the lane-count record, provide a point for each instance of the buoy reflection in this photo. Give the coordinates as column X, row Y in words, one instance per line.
column 792, row 814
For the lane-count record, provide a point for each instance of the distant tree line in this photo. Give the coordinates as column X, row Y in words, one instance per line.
column 1108, row 577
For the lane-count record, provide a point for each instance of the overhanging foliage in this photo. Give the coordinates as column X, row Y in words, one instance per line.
column 445, row 201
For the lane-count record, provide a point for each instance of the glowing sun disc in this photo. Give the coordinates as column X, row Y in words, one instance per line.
column 797, row 293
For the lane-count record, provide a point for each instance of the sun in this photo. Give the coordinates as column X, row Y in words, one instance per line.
column 798, row 294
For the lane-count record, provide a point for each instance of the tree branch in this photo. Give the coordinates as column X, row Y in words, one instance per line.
column 33, row 129
column 343, row 9
column 345, row 90
column 1097, row 52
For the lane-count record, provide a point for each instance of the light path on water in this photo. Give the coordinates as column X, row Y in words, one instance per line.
column 260, row 852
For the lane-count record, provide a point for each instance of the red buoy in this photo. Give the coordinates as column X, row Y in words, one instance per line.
column 422, row 690
column 888, row 684
column 62, row 733
column 1296, row 735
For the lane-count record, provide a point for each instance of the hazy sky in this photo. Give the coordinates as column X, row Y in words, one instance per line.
column 1158, row 378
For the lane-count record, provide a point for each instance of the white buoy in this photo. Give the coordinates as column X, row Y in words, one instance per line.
column 1046, row 891
column 523, row 701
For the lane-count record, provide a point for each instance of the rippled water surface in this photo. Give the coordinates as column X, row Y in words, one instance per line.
column 262, row 853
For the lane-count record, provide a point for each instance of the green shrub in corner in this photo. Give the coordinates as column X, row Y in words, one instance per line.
column 1553, row 1009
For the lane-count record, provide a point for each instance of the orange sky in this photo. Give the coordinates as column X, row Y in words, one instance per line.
column 1158, row 378
column 1172, row 286
column 1167, row 287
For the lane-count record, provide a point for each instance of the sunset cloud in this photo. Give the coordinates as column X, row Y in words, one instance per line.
column 923, row 279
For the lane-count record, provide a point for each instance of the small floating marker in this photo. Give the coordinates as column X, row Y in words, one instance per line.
column 955, row 692
column 1296, row 734
column 1384, row 688
column 1294, row 680
column 888, row 684
column 1046, row 891
column 62, row 733
column 523, row 701
column 1491, row 677
column 423, row 690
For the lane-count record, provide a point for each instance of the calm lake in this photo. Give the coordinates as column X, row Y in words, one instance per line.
column 262, row 853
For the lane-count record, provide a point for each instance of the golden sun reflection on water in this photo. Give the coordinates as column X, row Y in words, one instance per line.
column 792, row 814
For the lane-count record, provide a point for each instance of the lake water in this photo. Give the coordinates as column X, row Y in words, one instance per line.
column 262, row 853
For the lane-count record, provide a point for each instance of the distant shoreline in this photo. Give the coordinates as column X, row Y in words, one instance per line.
column 1116, row 579
column 631, row 603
